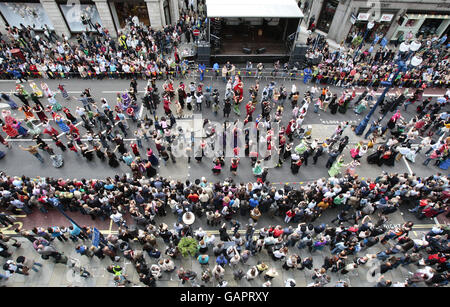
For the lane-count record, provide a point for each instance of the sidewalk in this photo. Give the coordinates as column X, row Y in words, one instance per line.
column 61, row 275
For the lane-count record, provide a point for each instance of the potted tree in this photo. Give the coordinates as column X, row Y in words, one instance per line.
column 188, row 246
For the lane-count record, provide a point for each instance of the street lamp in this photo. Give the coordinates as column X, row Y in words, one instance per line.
column 402, row 66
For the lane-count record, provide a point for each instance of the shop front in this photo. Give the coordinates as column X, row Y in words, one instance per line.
column 30, row 13
column 364, row 26
column 422, row 24
column 81, row 16
column 136, row 9
column 326, row 16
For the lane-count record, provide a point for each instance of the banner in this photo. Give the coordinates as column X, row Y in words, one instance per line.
column 96, row 237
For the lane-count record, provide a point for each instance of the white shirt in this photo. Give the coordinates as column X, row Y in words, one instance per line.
column 116, row 217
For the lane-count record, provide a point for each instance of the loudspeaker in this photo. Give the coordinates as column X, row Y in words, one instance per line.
column 298, row 53
column 261, row 50
column 203, row 53
column 317, row 61
column 204, row 49
column 204, row 60
column 247, row 50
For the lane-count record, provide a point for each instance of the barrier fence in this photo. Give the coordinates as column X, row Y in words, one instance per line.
column 211, row 74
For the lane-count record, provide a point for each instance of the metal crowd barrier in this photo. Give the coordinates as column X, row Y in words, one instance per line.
column 211, row 74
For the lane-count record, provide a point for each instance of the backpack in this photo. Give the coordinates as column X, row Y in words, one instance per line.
column 2, row 154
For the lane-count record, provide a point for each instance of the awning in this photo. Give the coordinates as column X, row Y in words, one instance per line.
column 425, row 16
column 253, row 9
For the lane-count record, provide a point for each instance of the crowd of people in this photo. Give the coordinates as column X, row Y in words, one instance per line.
column 371, row 63
column 138, row 204
column 139, row 51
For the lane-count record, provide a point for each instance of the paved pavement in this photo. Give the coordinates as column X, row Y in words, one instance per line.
column 61, row 275
column 19, row 163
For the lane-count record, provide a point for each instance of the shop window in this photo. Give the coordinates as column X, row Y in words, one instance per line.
column 81, row 17
column 28, row 14
column 327, row 14
column 411, row 23
column 430, row 27
column 130, row 9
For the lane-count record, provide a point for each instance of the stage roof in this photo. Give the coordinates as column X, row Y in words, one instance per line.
column 253, row 8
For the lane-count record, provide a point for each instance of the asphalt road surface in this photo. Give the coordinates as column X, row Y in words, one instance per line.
column 18, row 162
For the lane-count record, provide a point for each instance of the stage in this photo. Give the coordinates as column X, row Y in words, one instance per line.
column 252, row 30
column 242, row 44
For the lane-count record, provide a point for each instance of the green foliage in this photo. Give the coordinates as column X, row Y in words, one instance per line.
column 188, row 246
column 357, row 41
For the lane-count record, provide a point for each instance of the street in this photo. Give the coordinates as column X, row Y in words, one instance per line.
column 18, row 163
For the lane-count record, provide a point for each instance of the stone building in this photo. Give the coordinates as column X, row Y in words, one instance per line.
column 340, row 20
column 64, row 16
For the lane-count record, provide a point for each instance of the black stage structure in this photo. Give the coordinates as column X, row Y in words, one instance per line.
column 250, row 30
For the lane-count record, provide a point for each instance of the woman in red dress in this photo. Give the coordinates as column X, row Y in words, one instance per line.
column 10, row 131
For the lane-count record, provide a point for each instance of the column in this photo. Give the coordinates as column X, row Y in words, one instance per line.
column 316, row 7
column 113, row 9
column 394, row 26
column 161, row 13
column 105, row 16
column 56, row 17
column 341, row 24
column 181, row 5
column 175, row 11
column 444, row 25
column 154, row 14
column 2, row 26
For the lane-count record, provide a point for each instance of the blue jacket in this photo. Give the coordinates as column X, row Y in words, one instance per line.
column 253, row 203
column 221, row 260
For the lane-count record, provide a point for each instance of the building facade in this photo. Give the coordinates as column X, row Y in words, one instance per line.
column 66, row 16
column 343, row 20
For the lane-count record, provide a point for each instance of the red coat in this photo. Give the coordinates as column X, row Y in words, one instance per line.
column 289, row 128
column 10, row 131
column 135, row 149
column 250, row 108
column 74, row 129
column 166, row 105
column 277, row 232
column 290, row 213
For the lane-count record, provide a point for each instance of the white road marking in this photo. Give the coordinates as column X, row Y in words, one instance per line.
column 409, row 95
column 435, row 220
column 118, row 91
column 407, row 165
column 49, row 140
column 141, row 111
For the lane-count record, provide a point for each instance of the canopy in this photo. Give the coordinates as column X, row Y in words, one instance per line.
column 253, row 9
